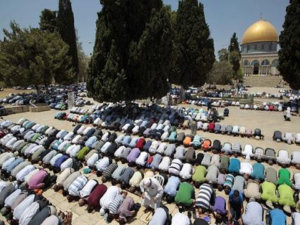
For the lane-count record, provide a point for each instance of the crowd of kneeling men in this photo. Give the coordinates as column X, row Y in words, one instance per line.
column 180, row 172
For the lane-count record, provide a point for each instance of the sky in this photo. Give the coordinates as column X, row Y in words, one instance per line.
column 224, row 17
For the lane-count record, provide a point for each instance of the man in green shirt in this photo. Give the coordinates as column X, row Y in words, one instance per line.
column 199, row 175
column 185, row 195
column 284, row 177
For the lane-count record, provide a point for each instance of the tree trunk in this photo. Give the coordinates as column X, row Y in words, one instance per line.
column 38, row 91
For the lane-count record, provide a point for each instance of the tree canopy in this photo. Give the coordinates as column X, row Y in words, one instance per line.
column 221, row 73
column 223, row 55
column 66, row 28
column 193, row 53
column 131, row 52
column 289, row 54
column 34, row 57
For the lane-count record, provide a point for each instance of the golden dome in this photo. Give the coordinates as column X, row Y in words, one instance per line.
column 260, row 31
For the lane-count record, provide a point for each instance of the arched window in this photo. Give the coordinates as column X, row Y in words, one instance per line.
column 275, row 62
column 255, row 62
column 265, row 62
column 246, row 63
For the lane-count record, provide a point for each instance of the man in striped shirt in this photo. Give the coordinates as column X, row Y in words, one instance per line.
column 108, row 197
column 204, row 199
column 76, row 186
column 115, row 204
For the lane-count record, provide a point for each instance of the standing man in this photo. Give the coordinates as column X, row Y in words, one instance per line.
column 152, row 192
column 235, row 206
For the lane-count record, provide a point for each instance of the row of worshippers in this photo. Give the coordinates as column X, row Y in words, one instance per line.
column 24, row 206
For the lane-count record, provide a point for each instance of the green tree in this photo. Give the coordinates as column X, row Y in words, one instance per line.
column 128, row 27
column 289, row 54
column 48, row 20
column 33, row 57
column 234, row 55
column 223, row 55
column 193, row 48
column 221, row 73
column 66, row 28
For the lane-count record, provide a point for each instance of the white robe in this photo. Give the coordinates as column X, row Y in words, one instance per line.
column 154, row 190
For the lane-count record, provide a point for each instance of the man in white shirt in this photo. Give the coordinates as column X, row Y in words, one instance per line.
column 288, row 138
column 87, row 189
column 76, row 139
column 142, row 159
column 297, row 181
column 22, row 206
column 248, row 151
column 11, row 198
column 186, row 171
column 164, row 164
column 74, row 151
column 92, row 160
column 119, row 151
column 246, row 169
column 10, row 143
column 2, row 185
column 5, row 156
column 180, row 219
column 28, row 213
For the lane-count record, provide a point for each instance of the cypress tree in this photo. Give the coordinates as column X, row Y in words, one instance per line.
column 234, row 55
column 152, row 59
column 66, row 28
column 194, row 48
column 234, row 44
column 48, row 20
column 289, row 54
column 126, row 29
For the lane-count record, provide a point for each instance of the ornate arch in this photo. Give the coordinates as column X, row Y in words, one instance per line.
column 275, row 62
column 246, row 62
column 254, row 62
column 265, row 62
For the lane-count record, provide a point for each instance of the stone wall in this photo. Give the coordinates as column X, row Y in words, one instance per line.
column 263, row 81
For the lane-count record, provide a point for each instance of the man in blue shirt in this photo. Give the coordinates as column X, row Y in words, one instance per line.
column 171, row 188
column 235, row 206
column 277, row 217
column 91, row 141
